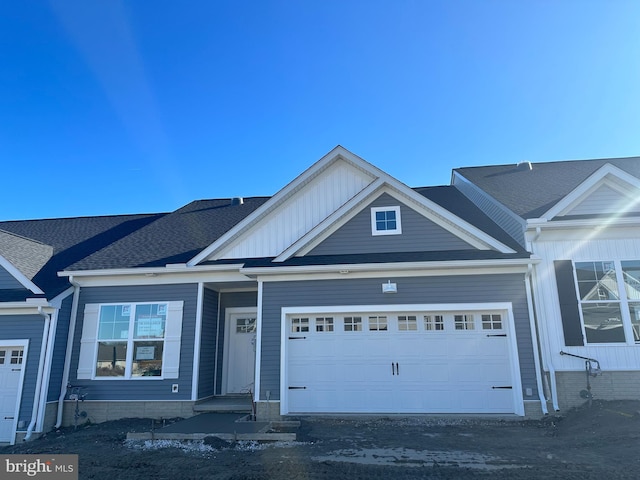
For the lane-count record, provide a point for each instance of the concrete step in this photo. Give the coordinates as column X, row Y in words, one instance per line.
column 224, row 404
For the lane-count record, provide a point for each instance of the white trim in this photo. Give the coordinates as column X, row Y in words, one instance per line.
column 256, row 385
column 53, row 326
column 590, row 184
column 227, row 340
column 374, row 223
column 24, row 344
column 285, row 312
column 67, row 357
column 197, row 343
column 215, row 360
column 19, row 276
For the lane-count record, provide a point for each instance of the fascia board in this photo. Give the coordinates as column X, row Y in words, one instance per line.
column 150, row 270
column 337, row 153
column 391, row 266
column 590, row 184
column 19, row 276
column 598, row 223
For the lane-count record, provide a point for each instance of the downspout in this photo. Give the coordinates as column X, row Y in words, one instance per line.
column 67, row 358
column 53, row 326
column 38, row 393
column 534, row 338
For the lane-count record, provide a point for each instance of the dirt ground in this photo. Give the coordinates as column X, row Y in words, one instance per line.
column 602, row 441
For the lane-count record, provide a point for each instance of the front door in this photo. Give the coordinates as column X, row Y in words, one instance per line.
column 241, row 352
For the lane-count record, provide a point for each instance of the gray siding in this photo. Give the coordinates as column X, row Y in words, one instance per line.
column 230, row 300
column 144, row 389
column 208, row 344
column 418, row 234
column 13, row 327
column 509, row 221
column 59, row 350
column 8, row 281
column 411, row 290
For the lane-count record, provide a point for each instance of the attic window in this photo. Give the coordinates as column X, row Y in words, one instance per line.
column 385, row 221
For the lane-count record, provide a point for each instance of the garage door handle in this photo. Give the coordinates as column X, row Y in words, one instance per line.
column 297, row 388
column 9, row 418
column 297, row 338
column 502, row 388
column 498, row 335
column 397, row 369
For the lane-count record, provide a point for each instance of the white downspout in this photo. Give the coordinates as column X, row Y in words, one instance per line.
column 53, row 326
column 534, row 338
column 38, row 393
column 67, row 358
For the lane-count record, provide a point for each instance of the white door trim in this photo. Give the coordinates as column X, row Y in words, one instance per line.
column 24, row 343
column 227, row 340
column 518, row 400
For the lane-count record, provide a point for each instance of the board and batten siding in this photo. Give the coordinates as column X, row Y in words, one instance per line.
column 8, row 281
column 230, row 300
column 31, row 327
column 418, row 234
column 580, row 249
column 208, row 344
column 147, row 388
column 59, row 350
column 411, row 290
column 506, row 219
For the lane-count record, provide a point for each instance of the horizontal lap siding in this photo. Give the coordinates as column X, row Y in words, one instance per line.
column 208, row 344
column 18, row 327
column 411, row 290
column 230, row 300
column 8, row 281
column 59, row 350
column 418, row 234
column 143, row 389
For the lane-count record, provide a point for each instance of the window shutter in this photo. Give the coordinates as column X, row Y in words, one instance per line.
column 87, row 357
column 569, row 310
column 172, row 338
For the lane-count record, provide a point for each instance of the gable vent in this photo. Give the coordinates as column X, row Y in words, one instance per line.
column 524, row 165
column 237, row 201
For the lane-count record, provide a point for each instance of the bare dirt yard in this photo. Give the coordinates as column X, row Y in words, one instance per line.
column 600, row 442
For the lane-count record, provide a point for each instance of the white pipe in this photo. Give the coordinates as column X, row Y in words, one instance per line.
column 38, row 393
column 534, row 339
column 67, row 358
column 53, row 325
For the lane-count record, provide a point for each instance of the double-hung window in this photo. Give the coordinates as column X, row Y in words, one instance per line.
column 131, row 341
column 609, row 296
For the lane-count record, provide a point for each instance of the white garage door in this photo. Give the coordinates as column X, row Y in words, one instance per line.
column 415, row 362
column 11, row 359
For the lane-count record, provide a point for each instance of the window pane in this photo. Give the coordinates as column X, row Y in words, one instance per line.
column 150, row 321
column 491, row 321
column 634, row 309
column 407, row 323
column 147, row 359
column 377, row 323
column 631, row 275
column 352, row 324
column 597, row 281
column 114, row 322
column 246, row 325
column 603, row 322
column 463, row 322
column 299, row 325
column 112, row 359
column 324, row 324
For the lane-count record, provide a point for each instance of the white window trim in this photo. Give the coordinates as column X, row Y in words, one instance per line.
column 88, row 355
column 375, row 231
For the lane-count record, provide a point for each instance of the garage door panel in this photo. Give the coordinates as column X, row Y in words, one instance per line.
column 410, row 370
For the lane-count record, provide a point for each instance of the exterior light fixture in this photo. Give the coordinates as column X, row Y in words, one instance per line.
column 389, row 287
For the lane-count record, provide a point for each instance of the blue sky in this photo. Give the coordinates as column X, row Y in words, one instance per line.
column 111, row 107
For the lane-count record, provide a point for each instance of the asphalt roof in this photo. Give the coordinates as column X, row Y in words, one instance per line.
column 530, row 193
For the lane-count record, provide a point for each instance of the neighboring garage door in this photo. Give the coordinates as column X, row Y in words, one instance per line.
column 10, row 375
column 413, row 362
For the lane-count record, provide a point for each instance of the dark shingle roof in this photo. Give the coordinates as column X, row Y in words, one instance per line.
column 72, row 239
column 175, row 238
column 530, row 193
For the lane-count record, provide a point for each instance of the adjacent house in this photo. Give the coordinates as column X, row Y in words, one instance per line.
column 345, row 292
column 581, row 222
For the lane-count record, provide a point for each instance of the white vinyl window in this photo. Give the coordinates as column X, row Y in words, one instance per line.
column 131, row 341
column 386, row 221
column 609, row 296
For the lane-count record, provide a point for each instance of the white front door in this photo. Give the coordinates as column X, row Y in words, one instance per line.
column 241, row 351
column 11, row 364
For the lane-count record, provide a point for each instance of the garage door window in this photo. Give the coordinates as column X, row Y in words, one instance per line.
column 492, row 321
column 352, row 324
column 324, row 324
column 16, row 357
column 433, row 322
column 407, row 323
column 377, row 323
column 464, row 322
column 299, row 325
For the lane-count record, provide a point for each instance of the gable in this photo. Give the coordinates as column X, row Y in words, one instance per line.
column 418, row 234
column 608, row 191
